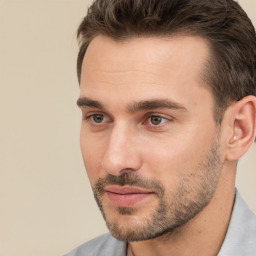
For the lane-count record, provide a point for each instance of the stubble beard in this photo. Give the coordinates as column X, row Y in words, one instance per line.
column 175, row 208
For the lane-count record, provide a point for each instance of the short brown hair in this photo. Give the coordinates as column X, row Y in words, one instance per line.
column 231, row 70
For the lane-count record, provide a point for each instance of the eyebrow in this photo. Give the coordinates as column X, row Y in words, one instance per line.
column 154, row 104
column 84, row 101
column 135, row 106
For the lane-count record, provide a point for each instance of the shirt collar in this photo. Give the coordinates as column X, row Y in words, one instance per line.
column 241, row 234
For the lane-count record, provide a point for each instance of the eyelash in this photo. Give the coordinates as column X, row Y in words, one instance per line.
column 157, row 116
column 90, row 117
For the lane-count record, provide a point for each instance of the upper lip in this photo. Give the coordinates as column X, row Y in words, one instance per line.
column 126, row 190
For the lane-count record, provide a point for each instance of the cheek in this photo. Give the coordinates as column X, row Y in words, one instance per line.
column 92, row 153
column 170, row 162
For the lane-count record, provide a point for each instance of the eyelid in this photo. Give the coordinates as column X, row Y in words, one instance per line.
column 163, row 116
column 88, row 117
column 88, row 113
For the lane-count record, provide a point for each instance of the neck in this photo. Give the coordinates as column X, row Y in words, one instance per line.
column 203, row 235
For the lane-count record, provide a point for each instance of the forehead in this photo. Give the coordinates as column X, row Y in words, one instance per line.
column 144, row 67
column 145, row 50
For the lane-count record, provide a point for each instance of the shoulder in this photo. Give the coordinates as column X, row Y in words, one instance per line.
column 100, row 246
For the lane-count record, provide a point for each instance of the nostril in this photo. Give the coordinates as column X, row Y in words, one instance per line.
column 127, row 170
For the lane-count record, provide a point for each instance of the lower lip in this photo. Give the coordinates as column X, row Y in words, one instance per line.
column 127, row 200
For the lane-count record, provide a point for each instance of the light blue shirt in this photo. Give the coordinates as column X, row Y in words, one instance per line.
column 240, row 239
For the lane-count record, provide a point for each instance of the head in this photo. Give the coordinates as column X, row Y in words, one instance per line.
column 163, row 85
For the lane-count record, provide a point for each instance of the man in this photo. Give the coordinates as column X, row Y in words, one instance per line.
column 167, row 94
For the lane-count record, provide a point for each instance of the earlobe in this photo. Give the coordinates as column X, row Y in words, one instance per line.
column 243, row 128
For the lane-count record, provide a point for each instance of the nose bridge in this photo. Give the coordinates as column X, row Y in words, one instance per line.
column 122, row 150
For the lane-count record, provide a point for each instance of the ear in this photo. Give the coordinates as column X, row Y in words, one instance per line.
column 242, row 121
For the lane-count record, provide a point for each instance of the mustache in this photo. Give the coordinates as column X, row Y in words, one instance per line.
column 130, row 179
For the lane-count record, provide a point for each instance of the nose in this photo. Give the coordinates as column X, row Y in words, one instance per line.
column 122, row 152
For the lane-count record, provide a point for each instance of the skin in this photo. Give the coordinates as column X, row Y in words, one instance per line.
column 118, row 137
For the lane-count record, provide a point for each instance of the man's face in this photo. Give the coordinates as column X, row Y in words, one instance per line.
column 148, row 137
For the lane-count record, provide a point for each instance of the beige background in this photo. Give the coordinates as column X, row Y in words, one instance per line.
column 46, row 204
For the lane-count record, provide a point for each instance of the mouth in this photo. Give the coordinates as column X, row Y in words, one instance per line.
column 126, row 196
